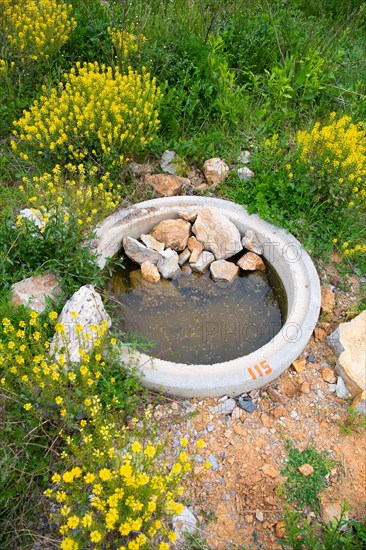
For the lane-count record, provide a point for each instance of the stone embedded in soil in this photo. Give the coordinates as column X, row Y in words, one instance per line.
column 306, row 470
column 217, row 233
column 168, row 265
column 328, row 300
column 173, row 233
column 33, row 291
column 319, row 334
column 150, row 272
column 299, row 365
column 203, row 262
column 184, row 523
column 152, row 243
column 226, row 407
column 289, row 387
column 331, row 511
column 138, row 252
column 329, row 375
column 249, row 518
column 341, row 390
column 251, row 262
column 270, row 471
column 244, row 157
column 348, row 342
column 195, row 248
column 278, row 411
column 247, row 404
column 305, row 388
column 215, row 170
column 251, row 242
column 184, row 256
column 166, row 185
column 213, row 461
column 221, row 270
column 259, row 515
column 280, row 529
column 245, row 173
column 169, row 162
column 84, row 308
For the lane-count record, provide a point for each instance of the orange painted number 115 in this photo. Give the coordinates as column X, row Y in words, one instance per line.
column 261, row 369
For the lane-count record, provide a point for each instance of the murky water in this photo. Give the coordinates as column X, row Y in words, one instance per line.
column 195, row 320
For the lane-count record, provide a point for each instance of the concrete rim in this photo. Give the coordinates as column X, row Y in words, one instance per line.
column 281, row 249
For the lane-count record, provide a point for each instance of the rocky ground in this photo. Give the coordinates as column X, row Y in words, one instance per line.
column 236, row 501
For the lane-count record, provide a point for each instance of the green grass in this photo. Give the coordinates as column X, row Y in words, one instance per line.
column 304, row 490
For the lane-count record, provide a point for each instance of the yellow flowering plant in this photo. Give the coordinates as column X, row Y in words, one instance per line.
column 97, row 113
column 114, row 485
column 35, row 29
column 335, row 155
column 125, row 44
column 76, row 190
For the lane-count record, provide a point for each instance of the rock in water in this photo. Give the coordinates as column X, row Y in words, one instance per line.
column 196, row 248
column 173, row 233
column 217, row 233
column 168, row 264
column 138, row 252
column 150, row 272
column 84, row 308
column 251, row 262
column 203, row 262
column 221, row 270
column 184, row 256
column 215, row 170
column 166, row 185
column 33, row 291
column 251, row 242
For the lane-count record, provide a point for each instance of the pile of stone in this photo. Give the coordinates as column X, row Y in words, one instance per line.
column 170, row 182
column 195, row 242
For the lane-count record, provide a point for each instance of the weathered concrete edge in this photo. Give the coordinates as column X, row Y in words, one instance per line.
column 244, row 373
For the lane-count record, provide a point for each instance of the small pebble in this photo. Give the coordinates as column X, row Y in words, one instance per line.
column 246, row 404
column 213, row 461
column 259, row 515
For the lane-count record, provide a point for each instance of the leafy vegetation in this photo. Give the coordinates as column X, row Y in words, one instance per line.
column 304, row 489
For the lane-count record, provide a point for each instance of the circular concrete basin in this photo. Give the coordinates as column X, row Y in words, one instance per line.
column 234, row 377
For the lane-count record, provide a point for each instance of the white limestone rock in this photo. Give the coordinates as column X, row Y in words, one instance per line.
column 203, row 262
column 184, row 523
column 251, row 242
column 138, row 252
column 152, row 243
column 217, row 233
column 245, row 173
column 168, row 264
column 221, row 270
column 348, row 342
column 84, row 308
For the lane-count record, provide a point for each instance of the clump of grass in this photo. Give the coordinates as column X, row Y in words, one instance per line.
column 305, row 489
